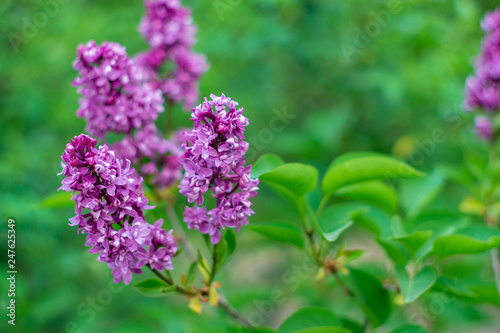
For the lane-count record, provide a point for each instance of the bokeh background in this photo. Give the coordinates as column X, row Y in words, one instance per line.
column 274, row 57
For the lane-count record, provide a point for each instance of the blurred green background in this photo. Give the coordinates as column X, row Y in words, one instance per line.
column 274, row 57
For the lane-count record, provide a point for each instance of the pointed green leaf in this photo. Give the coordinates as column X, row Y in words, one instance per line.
column 229, row 239
column 412, row 288
column 154, row 287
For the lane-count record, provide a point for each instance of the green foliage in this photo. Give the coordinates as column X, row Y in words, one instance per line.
column 362, row 167
column 154, row 287
column 306, row 318
column 373, row 297
column 279, row 231
column 466, row 241
column 308, row 102
column 293, row 179
column 414, row 286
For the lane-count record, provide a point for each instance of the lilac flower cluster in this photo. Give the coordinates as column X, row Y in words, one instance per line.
column 114, row 223
column 159, row 158
column 114, row 97
column 168, row 28
column 214, row 159
column 483, row 89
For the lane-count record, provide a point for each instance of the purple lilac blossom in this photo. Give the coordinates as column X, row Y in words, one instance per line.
column 114, row 99
column 106, row 187
column 169, row 30
column 214, row 160
column 484, row 127
column 483, row 89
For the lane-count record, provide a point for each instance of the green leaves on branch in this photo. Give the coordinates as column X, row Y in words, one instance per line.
column 412, row 287
column 154, row 287
column 467, row 240
column 279, row 231
column 354, row 168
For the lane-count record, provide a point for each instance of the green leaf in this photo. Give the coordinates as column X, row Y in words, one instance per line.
column 372, row 296
column 324, row 329
column 415, row 241
column 375, row 220
column 336, row 219
column 351, row 255
column 455, row 287
column 296, row 178
column 154, row 287
column 191, row 273
column 375, row 193
column 419, row 192
column 220, row 252
column 412, row 288
column 352, row 325
column 360, row 168
column 396, row 251
column 307, row 318
column 279, row 231
column 58, row 200
column 230, row 240
column 409, row 329
column 349, row 156
column 266, row 163
column 468, row 240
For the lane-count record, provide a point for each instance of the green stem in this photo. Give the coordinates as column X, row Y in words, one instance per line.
column 230, row 310
column 170, row 282
column 308, row 230
column 213, row 271
column 322, row 205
